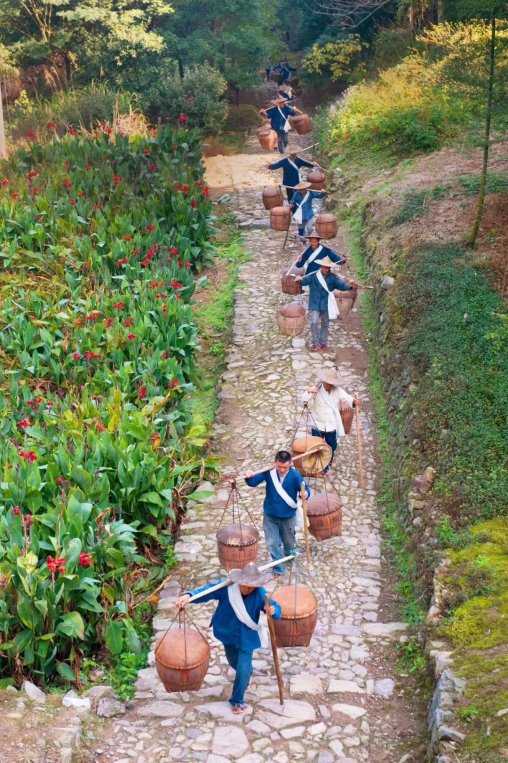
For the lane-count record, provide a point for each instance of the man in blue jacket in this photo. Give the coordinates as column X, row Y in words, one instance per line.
column 315, row 251
column 236, row 623
column 322, row 303
column 301, row 207
column 283, row 485
column 290, row 167
column 279, row 120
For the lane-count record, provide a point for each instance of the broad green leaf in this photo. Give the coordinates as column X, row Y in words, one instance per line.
column 72, row 625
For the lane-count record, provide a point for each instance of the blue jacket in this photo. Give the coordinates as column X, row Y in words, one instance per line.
column 286, row 71
column 307, row 211
column 325, row 252
column 290, row 176
column 277, row 122
column 318, row 297
column 226, row 626
column 274, row 505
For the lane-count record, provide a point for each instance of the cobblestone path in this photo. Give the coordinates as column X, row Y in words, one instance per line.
column 346, row 698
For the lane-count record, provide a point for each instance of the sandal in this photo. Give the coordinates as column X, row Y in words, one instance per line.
column 239, row 709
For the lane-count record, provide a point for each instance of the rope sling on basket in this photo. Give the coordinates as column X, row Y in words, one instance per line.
column 182, row 656
column 312, row 452
column 237, row 543
column 324, row 510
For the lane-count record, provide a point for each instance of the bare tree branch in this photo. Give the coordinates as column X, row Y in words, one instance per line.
column 346, row 13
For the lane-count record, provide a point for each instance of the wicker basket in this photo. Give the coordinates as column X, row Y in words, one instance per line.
column 288, row 283
column 327, row 225
column 324, row 512
column 267, row 138
column 347, row 415
column 317, row 179
column 291, row 319
column 311, row 465
column 272, row 197
column 237, row 545
column 346, row 301
column 299, row 615
column 280, row 218
column 302, row 123
column 181, row 659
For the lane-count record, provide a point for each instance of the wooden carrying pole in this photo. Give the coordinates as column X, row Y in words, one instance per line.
column 303, row 496
column 297, row 457
column 225, row 583
column 361, row 475
column 273, row 641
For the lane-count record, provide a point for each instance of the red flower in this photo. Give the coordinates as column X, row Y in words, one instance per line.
column 168, row 119
column 50, row 404
column 28, row 455
column 173, row 383
column 73, row 203
column 56, row 565
column 127, row 238
column 182, row 118
column 14, row 196
column 131, row 336
column 185, row 189
column 5, row 182
column 119, row 305
column 66, row 183
column 31, row 135
column 81, row 194
column 109, row 322
column 76, row 355
column 150, row 228
column 92, row 316
column 193, row 203
column 122, row 262
column 199, row 183
column 32, row 174
column 28, row 520
column 16, row 511
column 84, row 560
column 205, row 192
column 187, row 264
column 129, row 322
column 100, row 426
column 31, row 403
column 91, row 355
column 67, row 165
column 59, row 480
column 24, row 423
column 178, row 186
column 174, row 250
column 175, row 284
column 117, row 179
column 142, row 393
column 72, row 131
column 51, row 125
column 146, row 151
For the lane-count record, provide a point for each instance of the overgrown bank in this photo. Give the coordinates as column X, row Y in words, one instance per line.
column 439, row 368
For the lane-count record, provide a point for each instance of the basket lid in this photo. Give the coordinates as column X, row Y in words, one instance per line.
column 293, row 310
column 295, row 601
column 320, row 504
column 182, row 648
column 326, row 217
column 237, row 535
column 301, row 444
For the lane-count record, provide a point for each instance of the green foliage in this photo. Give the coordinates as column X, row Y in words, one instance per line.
column 416, row 203
column 340, row 59
column 198, row 95
column 497, row 182
column 99, row 238
column 412, row 657
column 243, row 117
column 449, row 313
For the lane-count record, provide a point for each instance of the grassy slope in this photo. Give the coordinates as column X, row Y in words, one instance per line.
column 447, row 329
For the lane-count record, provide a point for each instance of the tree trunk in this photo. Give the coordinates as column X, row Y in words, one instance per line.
column 440, row 11
column 237, row 95
column 488, row 123
column 180, row 68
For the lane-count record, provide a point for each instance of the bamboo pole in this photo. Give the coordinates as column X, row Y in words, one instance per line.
column 226, row 583
column 297, row 457
column 361, row 474
column 275, row 654
column 303, row 496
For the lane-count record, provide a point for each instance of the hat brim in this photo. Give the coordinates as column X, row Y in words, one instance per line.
column 325, row 263
column 303, row 186
column 248, row 576
column 313, row 234
column 329, row 376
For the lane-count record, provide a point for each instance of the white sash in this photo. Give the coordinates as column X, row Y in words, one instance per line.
column 287, row 126
column 298, row 215
column 333, row 310
column 313, row 256
column 237, row 603
column 287, row 498
column 297, row 168
column 325, row 397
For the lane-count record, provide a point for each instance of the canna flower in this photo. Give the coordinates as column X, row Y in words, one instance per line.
column 131, row 336
column 182, row 118
column 5, row 182
column 56, row 565
column 174, row 250
column 109, row 322
column 119, row 306
column 59, row 480
column 150, row 228
column 185, row 189
column 28, row 455
column 91, row 355
column 194, row 203
column 173, row 383
column 117, row 179
column 14, row 196
column 66, row 183
column 128, row 322
column 84, row 560
column 28, row 520
column 100, row 426
column 146, row 151
column 31, row 135
column 187, row 264
column 76, row 355
column 24, row 423
column 127, row 238
column 51, row 125
column 16, row 511
column 142, row 393
column 72, row 131
column 32, row 174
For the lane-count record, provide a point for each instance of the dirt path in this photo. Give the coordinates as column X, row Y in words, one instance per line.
column 347, row 699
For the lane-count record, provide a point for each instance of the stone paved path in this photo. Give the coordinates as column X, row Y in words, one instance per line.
column 345, row 695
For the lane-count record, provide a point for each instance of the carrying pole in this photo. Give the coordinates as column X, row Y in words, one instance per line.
column 303, row 496
column 226, row 583
column 273, row 641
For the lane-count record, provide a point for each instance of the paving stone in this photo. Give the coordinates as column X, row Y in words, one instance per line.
column 306, row 683
column 352, row 711
column 229, row 741
column 160, row 709
column 339, row 686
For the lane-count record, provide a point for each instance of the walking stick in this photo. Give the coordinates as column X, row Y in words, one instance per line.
column 273, row 641
column 303, row 496
column 361, row 475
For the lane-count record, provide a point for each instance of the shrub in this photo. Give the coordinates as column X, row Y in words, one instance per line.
column 198, row 95
column 242, row 117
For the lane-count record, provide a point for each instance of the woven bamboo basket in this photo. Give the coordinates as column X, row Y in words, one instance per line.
column 299, row 615
column 317, row 179
column 288, row 283
column 181, row 659
column 237, row 545
column 302, row 124
column 346, row 301
column 311, row 465
column 267, row 138
column 280, row 218
column 291, row 319
column 272, row 197
column 324, row 511
column 327, row 225
column 347, row 415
